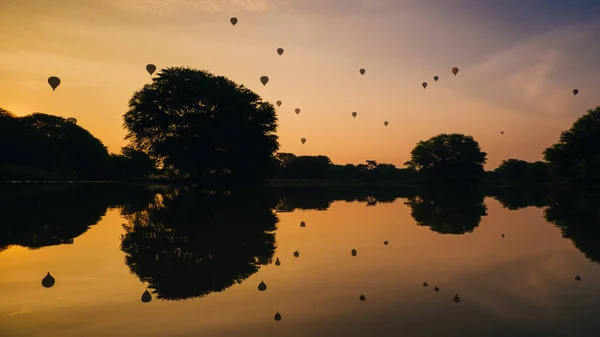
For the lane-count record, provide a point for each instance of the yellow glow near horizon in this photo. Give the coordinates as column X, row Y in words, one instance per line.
column 519, row 84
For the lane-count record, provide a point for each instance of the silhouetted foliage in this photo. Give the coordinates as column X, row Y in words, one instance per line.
column 576, row 156
column 516, row 170
column 200, row 125
column 448, row 157
column 131, row 163
column 577, row 215
column 448, row 210
column 191, row 242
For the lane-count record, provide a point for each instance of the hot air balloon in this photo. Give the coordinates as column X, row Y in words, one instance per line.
column 48, row 281
column 297, row 111
column 424, row 84
column 353, row 252
column 277, row 263
column 302, row 224
column 436, row 289
column 455, row 71
column 362, row 71
column 262, row 286
column 502, row 234
column 303, row 140
column 296, row 254
column 279, row 51
column 277, row 316
column 425, row 284
column 354, row 114
column 72, row 120
column 385, row 243
column 264, row 80
column 146, row 297
column 456, row 298
column 362, row 297
column 233, row 20
column 577, row 278
column 151, row 68
column 54, row 82
column 501, row 132
column 575, row 92
column 278, row 103
column 386, row 123
column 436, row 78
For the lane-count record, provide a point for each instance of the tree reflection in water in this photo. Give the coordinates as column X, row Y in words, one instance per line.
column 189, row 242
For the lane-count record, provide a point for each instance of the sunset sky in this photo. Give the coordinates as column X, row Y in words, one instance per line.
column 519, row 62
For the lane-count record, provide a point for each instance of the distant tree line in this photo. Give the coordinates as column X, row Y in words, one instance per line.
column 190, row 124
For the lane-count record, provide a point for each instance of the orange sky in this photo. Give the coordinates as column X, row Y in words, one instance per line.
column 516, row 71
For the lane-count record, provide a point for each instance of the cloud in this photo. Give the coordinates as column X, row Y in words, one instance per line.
column 162, row 7
column 537, row 76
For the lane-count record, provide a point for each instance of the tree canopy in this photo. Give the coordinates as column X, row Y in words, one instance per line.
column 576, row 155
column 451, row 156
column 199, row 124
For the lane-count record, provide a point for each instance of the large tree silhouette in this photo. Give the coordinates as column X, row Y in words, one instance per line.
column 448, row 210
column 448, row 157
column 199, row 124
column 576, row 156
column 191, row 242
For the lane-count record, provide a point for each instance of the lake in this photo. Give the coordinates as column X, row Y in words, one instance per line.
column 510, row 254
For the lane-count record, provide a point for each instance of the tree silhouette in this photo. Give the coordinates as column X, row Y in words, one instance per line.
column 577, row 215
column 199, row 124
column 517, row 170
column 191, row 242
column 448, row 210
column 448, row 156
column 576, row 155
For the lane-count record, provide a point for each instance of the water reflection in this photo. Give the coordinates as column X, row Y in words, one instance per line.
column 578, row 217
column 450, row 210
column 37, row 216
column 190, row 242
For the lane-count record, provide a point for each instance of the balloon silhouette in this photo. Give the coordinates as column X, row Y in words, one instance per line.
column 386, row 123
column 297, row 111
column 362, row 297
column 72, row 120
column 436, row 289
column 279, row 51
column 277, row 263
column 455, row 71
column 577, row 278
column 233, row 20
column 303, row 140
column 501, row 132
column 279, row 103
column 277, row 317
column 302, row 224
column 151, row 68
column 262, row 286
column 575, row 92
column 146, row 297
column 425, row 284
column 362, row 71
column 385, row 243
column 353, row 252
column 264, row 80
column 424, row 84
column 354, row 114
column 502, row 234
column 436, row 78
column 54, row 82
column 296, row 254
column 48, row 281
column 456, row 298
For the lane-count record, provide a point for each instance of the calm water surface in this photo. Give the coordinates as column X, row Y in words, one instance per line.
column 202, row 254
